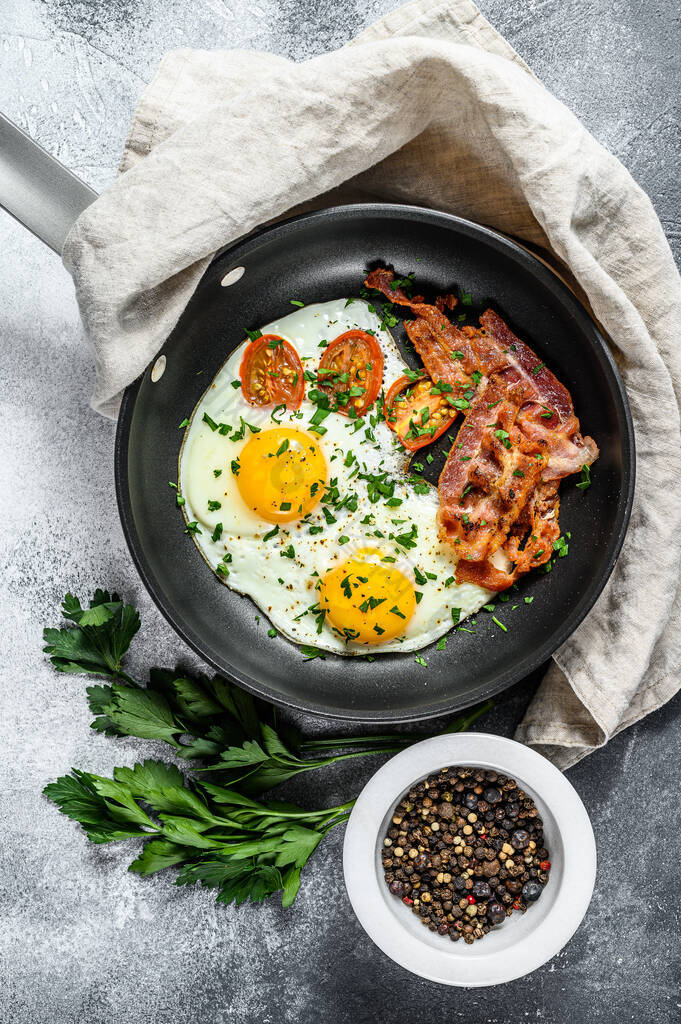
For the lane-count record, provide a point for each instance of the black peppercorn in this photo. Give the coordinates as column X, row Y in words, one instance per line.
column 495, row 913
column 531, row 891
column 520, row 839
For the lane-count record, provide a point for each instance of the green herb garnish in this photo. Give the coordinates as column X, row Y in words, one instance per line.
column 220, row 833
column 585, row 482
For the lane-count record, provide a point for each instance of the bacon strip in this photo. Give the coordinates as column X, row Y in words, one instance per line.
column 530, row 542
column 496, row 349
column 489, row 475
column 446, row 339
column 542, row 393
column 499, row 486
column 436, row 355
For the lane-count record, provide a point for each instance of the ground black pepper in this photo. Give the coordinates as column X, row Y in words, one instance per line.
column 464, row 849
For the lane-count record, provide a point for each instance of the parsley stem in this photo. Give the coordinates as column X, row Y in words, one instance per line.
column 464, row 721
column 120, row 674
column 337, row 742
column 340, row 820
column 395, row 741
column 359, row 753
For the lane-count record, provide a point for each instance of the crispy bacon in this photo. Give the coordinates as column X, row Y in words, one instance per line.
column 489, row 475
column 436, row 355
column 529, row 544
column 446, row 339
column 499, row 487
column 542, row 393
column 496, row 349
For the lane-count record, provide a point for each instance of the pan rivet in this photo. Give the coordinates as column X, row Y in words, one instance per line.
column 233, row 276
column 158, row 368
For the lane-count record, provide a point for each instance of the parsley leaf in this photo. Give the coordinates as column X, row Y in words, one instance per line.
column 98, row 641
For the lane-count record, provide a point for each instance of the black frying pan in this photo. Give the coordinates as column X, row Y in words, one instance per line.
column 321, row 256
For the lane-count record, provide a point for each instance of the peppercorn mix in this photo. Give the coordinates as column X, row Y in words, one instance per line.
column 464, row 849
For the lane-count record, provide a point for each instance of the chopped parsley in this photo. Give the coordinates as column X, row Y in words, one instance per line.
column 561, row 546
column 585, row 482
column 407, row 540
column 312, row 652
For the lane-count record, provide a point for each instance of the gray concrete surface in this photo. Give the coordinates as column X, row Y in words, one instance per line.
column 81, row 940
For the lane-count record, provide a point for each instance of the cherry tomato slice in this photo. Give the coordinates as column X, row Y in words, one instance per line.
column 352, row 369
column 271, row 373
column 417, row 416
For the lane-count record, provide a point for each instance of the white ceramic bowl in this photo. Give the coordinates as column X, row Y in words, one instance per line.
column 524, row 941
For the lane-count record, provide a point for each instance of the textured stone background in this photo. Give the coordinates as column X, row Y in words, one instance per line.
column 83, row 941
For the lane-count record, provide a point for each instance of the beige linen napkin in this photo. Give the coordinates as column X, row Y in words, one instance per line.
column 429, row 106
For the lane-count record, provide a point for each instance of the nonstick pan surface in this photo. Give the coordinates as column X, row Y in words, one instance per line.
column 314, row 258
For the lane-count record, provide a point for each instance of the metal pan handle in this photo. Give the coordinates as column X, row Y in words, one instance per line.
column 36, row 189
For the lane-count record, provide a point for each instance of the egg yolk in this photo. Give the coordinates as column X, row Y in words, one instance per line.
column 282, row 473
column 368, row 600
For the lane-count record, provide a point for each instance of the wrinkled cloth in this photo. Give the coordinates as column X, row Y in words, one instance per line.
column 430, row 106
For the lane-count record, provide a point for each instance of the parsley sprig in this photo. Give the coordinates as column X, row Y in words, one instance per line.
column 207, row 818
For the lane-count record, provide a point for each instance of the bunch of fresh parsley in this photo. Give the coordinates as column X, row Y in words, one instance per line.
column 216, row 832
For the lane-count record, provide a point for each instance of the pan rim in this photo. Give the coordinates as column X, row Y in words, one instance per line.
column 534, row 658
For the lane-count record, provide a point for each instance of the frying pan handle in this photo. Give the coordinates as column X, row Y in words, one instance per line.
column 36, row 189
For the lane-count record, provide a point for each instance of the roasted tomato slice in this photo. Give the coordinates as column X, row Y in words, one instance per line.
column 271, row 373
column 416, row 414
column 352, row 370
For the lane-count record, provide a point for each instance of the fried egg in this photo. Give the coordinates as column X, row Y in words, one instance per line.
column 316, row 519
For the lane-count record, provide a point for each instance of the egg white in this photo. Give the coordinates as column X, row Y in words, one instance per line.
column 285, row 588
